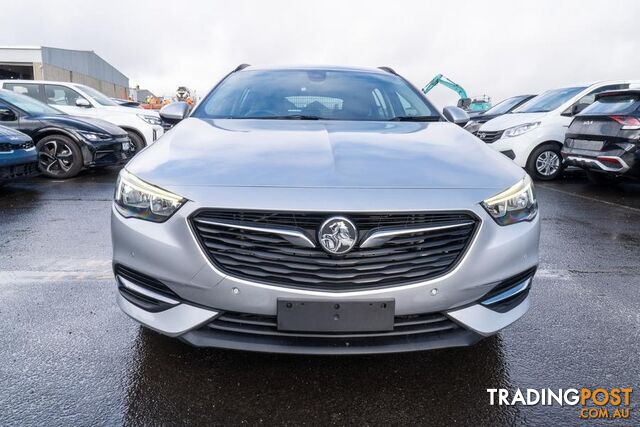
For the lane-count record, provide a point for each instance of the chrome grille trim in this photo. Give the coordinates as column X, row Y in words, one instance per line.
column 378, row 238
column 295, row 237
column 489, row 136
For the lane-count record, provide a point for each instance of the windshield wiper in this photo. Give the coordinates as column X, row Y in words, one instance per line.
column 289, row 117
column 415, row 119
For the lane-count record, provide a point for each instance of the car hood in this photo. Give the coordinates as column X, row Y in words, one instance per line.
column 82, row 123
column 322, row 154
column 510, row 120
column 10, row 136
column 483, row 118
column 129, row 110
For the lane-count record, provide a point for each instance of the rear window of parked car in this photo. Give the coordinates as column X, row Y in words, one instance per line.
column 29, row 89
column 619, row 104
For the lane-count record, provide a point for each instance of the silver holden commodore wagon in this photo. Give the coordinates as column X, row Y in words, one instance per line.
column 323, row 210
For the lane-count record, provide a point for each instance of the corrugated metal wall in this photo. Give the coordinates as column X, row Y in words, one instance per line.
column 54, row 73
column 86, row 68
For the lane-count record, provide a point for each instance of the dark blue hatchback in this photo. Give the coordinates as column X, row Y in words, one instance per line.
column 18, row 155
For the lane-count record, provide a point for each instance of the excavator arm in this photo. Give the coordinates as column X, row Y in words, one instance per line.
column 440, row 79
column 475, row 105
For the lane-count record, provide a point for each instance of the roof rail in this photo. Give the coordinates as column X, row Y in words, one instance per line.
column 240, row 67
column 388, row 70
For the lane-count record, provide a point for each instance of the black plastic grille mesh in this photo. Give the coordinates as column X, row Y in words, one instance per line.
column 268, row 258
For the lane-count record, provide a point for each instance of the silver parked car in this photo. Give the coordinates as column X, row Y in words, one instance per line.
column 323, row 210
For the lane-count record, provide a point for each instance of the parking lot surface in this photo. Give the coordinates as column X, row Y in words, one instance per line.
column 69, row 356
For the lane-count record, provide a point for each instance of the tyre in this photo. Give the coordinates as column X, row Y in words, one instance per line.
column 137, row 144
column 59, row 157
column 597, row 178
column 545, row 162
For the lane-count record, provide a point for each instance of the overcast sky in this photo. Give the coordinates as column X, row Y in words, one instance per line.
column 500, row 48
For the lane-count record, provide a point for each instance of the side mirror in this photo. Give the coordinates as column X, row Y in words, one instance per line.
column 456, row 115
column 81, row 102
column 577, row 108
column 174, row 112
column 7, row 115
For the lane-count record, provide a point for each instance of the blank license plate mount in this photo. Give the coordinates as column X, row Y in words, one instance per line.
column 336, row 316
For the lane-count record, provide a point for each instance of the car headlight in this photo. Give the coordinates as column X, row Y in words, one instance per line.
column 152, row 120
column 94, row 136
column 135, row 198
column 513, row 205
column 470, row 124
column 520, row 129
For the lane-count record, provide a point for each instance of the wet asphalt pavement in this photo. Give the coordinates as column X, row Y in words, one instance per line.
column 68, row 356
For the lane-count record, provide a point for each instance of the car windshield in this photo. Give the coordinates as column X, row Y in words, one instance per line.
column 315, row 95
column 27, row 104
column 99, row 97
column 503, row 107
column 614, row 104
column 549, row 100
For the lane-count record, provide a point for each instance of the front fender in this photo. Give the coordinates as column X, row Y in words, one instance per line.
column 85, row 147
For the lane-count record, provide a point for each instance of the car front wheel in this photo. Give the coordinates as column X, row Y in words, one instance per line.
column 545, row 163
column 59, row 157
column 137, row 144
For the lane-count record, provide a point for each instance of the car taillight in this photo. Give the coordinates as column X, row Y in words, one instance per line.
column 627, row 122
column 610, row 160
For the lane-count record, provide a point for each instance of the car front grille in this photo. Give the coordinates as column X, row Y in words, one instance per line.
column 431, row 323
column 489, row 137
column 267, row 257
column 7, row 147
column 25, row 170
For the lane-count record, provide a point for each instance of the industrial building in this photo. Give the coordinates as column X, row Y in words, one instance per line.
column 48, row 63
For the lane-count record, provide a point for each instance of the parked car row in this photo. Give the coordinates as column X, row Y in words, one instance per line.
column 594, row 127
column 143, row 127
column 69, row 126
column 64, row 144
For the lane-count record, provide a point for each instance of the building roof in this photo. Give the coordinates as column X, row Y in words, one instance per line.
column 85, row 62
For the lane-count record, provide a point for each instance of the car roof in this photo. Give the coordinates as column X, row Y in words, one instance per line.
column 314, row 67
column 42, row 82
column 618, row 93
column 610, row 82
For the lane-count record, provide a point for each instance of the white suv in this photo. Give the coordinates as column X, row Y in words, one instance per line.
column 144, row 127
column 533, row 134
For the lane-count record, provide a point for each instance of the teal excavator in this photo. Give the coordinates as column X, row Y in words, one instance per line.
column 476, row 105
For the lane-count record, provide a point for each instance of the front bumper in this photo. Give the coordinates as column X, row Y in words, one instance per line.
column 110, row 153
column 169, row 253
column 151, row 133
column 519, row 148
column 18, row 171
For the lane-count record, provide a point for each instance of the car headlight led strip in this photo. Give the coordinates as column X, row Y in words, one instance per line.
column 516, row 204
column 135, row 198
